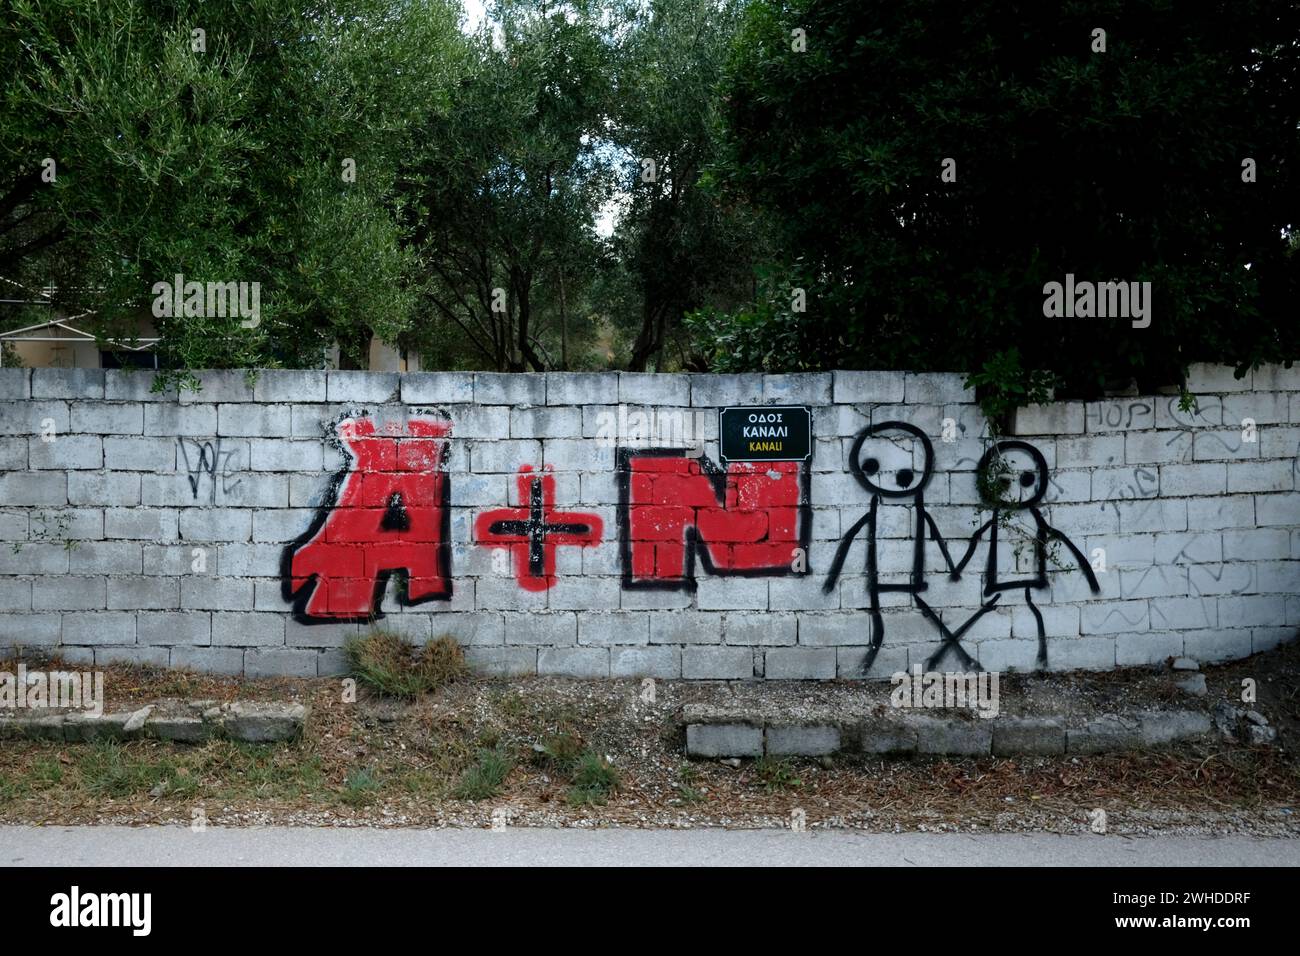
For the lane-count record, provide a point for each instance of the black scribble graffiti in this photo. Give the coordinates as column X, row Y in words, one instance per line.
column 1146, row 572
column 1164, row 619
column 995, row 487
column 1055, row 485
column 906, row 483
column 208, row 458
column 1144, row 474
column 1161, row 571
column 1180, row 436
column 1196, row 415
column 1138, row 489
column 1218, row 577
column 1220, row 439
column 1129, row 622
column 1184, row 552
column 1112, row 415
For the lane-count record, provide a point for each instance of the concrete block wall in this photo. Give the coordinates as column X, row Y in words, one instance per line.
column 147, row 527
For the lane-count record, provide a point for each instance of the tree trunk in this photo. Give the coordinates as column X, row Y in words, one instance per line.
column 647, row 340
column 564, row 328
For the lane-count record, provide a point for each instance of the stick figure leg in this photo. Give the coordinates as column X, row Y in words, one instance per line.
column 951, row 639
column 1042, row 633
column 877, row 638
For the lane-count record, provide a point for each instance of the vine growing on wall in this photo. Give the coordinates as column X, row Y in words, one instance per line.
column 1002, row 385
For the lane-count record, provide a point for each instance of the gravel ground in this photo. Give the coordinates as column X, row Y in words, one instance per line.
column 384, row 763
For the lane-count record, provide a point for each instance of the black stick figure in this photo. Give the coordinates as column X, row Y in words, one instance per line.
column 909, row 482
column 995, row 482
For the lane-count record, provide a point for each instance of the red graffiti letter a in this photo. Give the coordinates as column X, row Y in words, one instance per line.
column 389, row 515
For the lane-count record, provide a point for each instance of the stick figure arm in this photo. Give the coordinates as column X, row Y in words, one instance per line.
column 1084, row 566
column 842, row 552
column 943, row 545
column 970, row 549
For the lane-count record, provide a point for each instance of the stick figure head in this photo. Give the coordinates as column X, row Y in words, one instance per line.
column 1012, row 475
column 892, row 459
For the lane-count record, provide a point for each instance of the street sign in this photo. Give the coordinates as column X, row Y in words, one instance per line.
column 765, row 433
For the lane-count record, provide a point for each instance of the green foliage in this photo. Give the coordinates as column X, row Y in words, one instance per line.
column 110, row 770
column 1123, row 165
column 513, row 160
column 777, row 773
column 485, row 777
column 687, row 785
column 991, row 482
column 390, row 665
column 360, row 787
column 505, row 188
column 265, row 771
column 682, row 244
column 1003, row 385
column 560, row 752
column 591, row 777
column 594, row 779
column 766, row 336
column 223, row 164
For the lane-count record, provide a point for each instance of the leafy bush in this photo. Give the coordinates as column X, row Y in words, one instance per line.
column 1002, row 386
column 1068, row 161
column 767, row 336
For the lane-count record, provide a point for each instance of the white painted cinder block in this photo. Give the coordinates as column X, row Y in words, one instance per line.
column 153, row 527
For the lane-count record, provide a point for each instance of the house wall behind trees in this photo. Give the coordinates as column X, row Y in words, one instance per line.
column 74, row 352
column 253, row 528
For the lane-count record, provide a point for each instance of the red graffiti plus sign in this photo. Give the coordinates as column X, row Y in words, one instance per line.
column 390, row 515
column 532, row 533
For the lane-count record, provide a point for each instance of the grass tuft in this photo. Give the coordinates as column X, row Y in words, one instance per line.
column 360, row 787
column 484, row 778
column 593, row 781
column 387, row 663
column 108, row 769
column 559, row 753
column 687, row 778
column 777, row 774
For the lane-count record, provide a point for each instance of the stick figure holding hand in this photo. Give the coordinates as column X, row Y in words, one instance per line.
column 1012, row 477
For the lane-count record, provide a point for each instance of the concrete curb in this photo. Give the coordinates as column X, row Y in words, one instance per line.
column 196, row 722
column 727, row 735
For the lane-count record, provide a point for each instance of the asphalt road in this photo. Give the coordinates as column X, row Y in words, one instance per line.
column 325, row 846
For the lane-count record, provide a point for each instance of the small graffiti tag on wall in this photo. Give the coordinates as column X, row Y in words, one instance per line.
column 206, row 462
